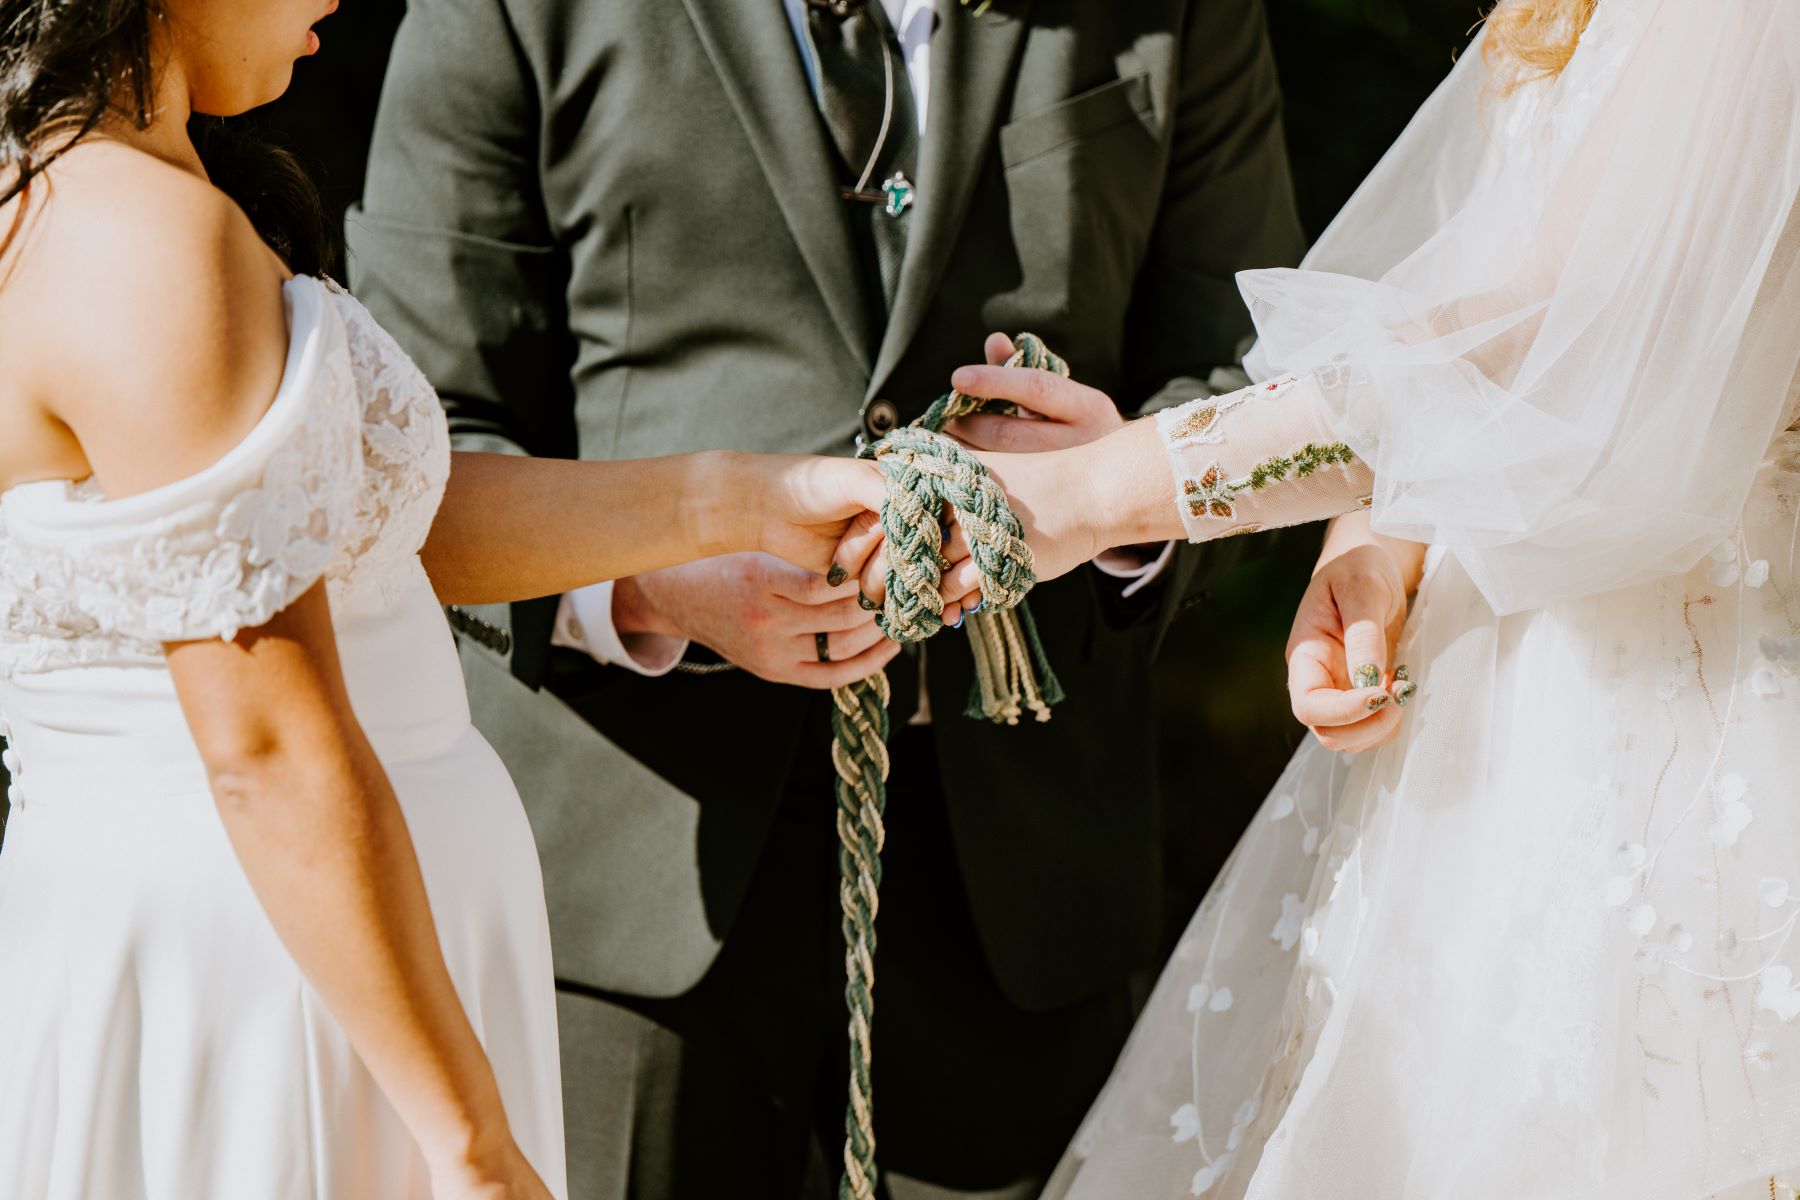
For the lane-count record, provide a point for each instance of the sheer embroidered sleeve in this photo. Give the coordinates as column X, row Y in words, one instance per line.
column 1567, row 317
column 214, row 553
column 1260, row 458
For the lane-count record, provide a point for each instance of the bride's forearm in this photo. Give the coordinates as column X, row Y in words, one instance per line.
column 511, row 528
column 1127, row 488
column 1260, row 458
column 324, row 845
column 1076, row 503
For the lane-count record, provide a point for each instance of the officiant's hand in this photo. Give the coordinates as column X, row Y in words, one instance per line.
column 763, row 615
column 1059, row 412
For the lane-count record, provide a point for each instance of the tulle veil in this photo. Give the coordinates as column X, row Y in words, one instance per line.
column 1564, row 319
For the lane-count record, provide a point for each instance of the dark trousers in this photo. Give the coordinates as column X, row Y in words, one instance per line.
column 737, row 1088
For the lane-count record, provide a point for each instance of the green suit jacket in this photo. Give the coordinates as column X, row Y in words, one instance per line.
column 612, row 229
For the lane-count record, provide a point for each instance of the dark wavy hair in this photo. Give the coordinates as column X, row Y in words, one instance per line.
column 66, row 64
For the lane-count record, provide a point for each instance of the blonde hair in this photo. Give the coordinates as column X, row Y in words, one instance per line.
column 1529, row 40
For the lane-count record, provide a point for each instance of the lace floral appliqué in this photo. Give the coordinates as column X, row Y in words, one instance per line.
column 1259, row 459
column 340, row 480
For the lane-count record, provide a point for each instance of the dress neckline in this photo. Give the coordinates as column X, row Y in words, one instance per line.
column 304, row 296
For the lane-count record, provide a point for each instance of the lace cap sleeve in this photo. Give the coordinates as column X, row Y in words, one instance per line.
column 225, row 549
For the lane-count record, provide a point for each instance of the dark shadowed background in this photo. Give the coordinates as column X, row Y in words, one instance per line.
column 1353, row 72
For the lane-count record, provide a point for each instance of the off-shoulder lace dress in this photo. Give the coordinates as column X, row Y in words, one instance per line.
column 160, row 1043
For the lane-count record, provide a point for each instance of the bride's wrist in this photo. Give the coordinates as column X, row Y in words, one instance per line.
column 499, row 1163
column 1127, row 488
column 1344, row 534
column 1065, row 516
column 1409, row 560
column 472, row 1140
column 724, row 493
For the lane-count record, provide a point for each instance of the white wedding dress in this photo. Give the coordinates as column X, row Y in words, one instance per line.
column 1543, row 946
column 157, row 1042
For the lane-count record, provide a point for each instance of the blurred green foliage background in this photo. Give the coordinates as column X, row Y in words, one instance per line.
column 1353, row 71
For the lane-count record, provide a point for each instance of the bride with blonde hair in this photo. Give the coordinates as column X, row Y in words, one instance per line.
column 1537, row 938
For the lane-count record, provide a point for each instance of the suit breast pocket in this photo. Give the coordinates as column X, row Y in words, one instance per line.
column 1099, row 110
column 1083, row 181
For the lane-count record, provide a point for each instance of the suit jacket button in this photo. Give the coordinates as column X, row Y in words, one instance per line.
column 880, row 418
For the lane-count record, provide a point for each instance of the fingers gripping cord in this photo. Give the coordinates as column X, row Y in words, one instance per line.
column 925, row 473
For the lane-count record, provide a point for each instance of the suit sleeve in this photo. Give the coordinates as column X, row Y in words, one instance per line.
column 451, row 247
column 1227, row 205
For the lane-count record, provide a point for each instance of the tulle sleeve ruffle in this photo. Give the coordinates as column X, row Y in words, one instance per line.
column 1562, row 326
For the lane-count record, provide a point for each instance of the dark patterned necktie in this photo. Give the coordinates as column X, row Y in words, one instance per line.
column 867, row 104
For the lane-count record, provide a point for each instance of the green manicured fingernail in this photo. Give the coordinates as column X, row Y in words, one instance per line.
column 1366, row 676
column 836, row 575
column 1376, row 702
column 1400, row 674
column 864, row 603
column 1404, row 692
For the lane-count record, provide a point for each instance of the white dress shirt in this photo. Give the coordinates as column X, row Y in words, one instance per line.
column 584, row 619
column 914, row 22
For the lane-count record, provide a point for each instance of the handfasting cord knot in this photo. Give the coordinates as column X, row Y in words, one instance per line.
column 926, row 472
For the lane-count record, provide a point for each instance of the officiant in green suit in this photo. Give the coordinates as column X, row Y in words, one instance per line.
column 639, row 227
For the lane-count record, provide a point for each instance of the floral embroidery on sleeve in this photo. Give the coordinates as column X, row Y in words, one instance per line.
column 1270, row 444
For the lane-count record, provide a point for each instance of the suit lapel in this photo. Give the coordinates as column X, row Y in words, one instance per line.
column 972, row 61
column 752, row 47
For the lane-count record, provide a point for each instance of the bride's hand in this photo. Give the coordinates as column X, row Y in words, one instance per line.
column 1349, row 621
column 1048, row 493
column 864, row 554
column 504, row 1175
column 800, row 507
column 1076, row 502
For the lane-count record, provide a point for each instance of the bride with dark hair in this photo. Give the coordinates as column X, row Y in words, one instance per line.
column 270, row 913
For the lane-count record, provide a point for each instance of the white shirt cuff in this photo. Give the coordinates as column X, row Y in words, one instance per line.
column 584, row 622
column 1127, row 565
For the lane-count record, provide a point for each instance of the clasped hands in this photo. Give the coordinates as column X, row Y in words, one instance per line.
column 766, row 615
column 813, row 624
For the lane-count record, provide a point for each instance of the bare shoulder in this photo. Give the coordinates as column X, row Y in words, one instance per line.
column 143, row 312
